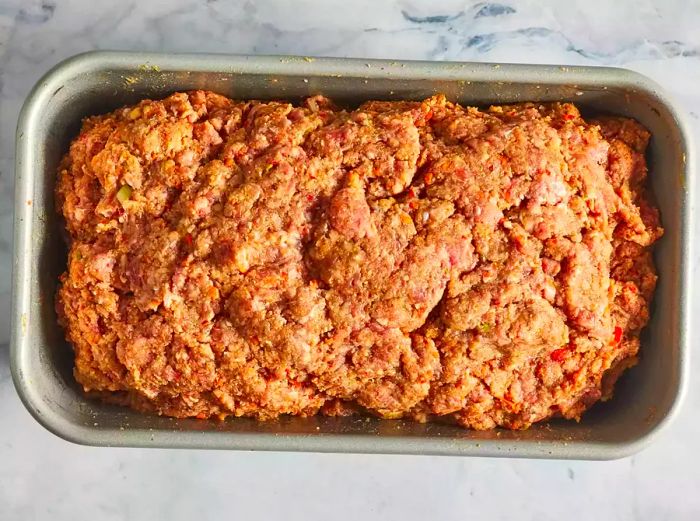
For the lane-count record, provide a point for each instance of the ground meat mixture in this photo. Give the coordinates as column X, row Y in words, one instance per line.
column 404, row 259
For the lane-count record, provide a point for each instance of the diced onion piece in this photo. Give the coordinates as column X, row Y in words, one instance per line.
column 124, row 193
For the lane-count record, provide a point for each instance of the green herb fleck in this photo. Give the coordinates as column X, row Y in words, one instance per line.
column 484, row 328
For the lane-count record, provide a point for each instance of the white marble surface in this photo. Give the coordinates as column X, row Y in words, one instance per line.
column 43, row 477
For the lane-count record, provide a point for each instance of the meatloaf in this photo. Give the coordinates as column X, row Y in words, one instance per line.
column 419, row 259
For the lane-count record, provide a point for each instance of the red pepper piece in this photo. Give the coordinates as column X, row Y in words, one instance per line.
column 558, row 355
column 617, row 335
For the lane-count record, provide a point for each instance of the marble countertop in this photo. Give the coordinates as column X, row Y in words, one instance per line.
column 43, row 477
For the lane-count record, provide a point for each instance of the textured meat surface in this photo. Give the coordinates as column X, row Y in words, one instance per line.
column 404, row 259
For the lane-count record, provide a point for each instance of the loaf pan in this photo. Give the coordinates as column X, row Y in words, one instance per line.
column 646, row 399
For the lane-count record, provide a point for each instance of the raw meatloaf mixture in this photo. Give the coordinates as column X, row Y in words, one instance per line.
column 404, row 259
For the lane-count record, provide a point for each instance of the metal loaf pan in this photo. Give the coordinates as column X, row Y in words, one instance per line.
column 646, row 399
